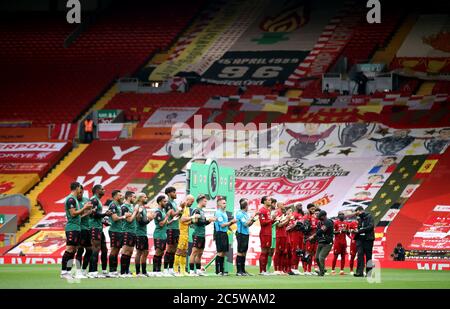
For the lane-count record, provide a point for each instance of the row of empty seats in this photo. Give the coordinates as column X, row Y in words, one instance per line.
column 441, row 87
column 44, row 82
column 367, row 37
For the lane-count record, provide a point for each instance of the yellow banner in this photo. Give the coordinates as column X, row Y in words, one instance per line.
column 427, row 166
column 153, row 166
column 280, row 107
column 43, row 242
column 369, row 109
column 17, row 183
column 201, row 43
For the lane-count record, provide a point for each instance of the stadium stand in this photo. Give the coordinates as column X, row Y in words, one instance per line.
column 138, row 107
column 114, row 164
column 349, row 130
column 368, row 38
column 62, row 82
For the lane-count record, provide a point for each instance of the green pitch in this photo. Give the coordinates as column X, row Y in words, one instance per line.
column 47, row 276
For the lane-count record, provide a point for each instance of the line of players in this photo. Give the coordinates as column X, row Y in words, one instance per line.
column 293, row 232
column 290, row 236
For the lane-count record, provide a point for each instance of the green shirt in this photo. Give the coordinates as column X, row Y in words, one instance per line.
column 160, row 232
column 85, row 223
column 141, row 225
column 96, row 215
column 116, row 226
column 128, row 227
column 175, row 225
column 199, row 226
column 73, row 223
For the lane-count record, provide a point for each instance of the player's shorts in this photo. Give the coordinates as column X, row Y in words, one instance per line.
column 242, row 242
column 115, row 239
column 353, row 250
column 96, row 234
column 288, row 247
column 85, row 238
column 295, row 240
column 198, row 242
column 339, row 248
column 311, row 247
column 183, row 242
column 73, row 238
column 141, row 243
column 129, row 239
column 160, row 244
column 266, row 241
column 281, row 244
column 172, row 236
column 222, row 242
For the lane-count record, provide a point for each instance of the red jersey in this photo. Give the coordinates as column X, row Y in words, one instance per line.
column 313, row 221
column 265, row 221
column 340, row 231
column 352, row 225
column 295, row 218
column 280, row 231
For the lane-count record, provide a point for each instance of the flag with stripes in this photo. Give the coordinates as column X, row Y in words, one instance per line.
column 64, row 131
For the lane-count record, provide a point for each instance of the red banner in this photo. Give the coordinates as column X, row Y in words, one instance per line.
column 27, row 156
column 301, row 191
column 17, row 168
column 42, row 146
column 64, row 131
column 38, row 157
column 422, row 64
column 23, row 134
column 114, row 164
column 434, row 234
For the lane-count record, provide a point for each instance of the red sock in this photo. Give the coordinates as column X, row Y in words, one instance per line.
column 281, row 262
column 343, row 261
column 352, row 260
column 294, row 261
column 287, row 263
column 309, row 267
column 263, row 261
column 334, row 262
column 278, row 261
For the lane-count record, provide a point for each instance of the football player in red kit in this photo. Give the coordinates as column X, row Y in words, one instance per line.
column 280, row 259
column 295, row 236
column 340, row 242
column 310, row 241
column 265, row 234
column 352, row 228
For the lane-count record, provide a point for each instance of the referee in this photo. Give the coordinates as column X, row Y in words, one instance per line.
column 221, row 227
column 244, row 221
column 364, row 237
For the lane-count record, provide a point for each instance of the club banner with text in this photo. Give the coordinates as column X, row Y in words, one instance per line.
column 111, row 164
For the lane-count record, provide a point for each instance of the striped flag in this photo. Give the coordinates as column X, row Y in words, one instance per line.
column 109, row 131
column 64, row 131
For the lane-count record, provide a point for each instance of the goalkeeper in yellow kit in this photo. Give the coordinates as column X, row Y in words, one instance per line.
column 185, row 220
